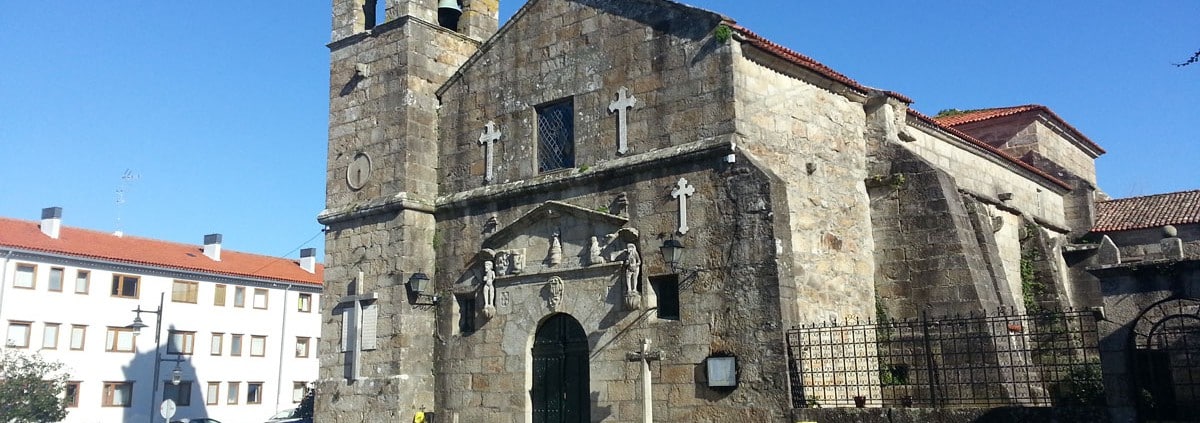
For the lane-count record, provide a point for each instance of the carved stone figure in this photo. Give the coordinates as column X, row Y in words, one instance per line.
column 517, row 261
column 501, row 263
column 594, row 256
column 555, row 256
column 557, row 291
column 633, row 267
column 489, row 290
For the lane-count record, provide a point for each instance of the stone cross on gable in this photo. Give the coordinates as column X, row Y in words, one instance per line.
column 645, row 356
column 359, row 317
column 624, row 101
column 682, row 191
column 487, row 139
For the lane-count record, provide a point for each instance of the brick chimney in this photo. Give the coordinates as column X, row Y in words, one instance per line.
column 308, row 260
column 51, row 221
column 212, row 246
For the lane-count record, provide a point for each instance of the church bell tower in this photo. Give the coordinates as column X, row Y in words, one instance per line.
column 387, row 59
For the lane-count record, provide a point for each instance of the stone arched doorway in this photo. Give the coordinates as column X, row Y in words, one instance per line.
column 560, row 372
column 1166, row 360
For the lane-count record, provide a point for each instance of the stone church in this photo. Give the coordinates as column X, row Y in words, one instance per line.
column 610, row 209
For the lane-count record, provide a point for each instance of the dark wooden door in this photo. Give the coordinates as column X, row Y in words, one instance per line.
column 560, row 372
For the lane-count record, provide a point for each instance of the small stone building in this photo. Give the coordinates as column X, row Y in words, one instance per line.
column 1147, row 261
column 584, row 214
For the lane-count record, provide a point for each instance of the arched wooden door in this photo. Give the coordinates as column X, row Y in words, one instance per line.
column 560, row 372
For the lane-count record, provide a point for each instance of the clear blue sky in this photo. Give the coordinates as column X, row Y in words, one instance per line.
column 220, row 107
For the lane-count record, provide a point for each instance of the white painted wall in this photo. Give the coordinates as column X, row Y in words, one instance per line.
column 93, row 366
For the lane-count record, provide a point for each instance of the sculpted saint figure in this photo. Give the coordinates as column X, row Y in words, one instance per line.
column 633, row 267
column 489, row 286
column 594, row 256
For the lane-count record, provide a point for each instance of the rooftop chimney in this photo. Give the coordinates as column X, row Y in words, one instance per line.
column 212, row 246
column 51, row 221
column 308, row 260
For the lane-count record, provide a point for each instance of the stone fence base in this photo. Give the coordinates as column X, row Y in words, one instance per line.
column 952, row 415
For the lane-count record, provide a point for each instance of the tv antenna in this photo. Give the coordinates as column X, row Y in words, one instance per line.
column 127, row 179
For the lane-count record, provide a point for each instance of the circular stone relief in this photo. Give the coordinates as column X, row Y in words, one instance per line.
column 359, row 171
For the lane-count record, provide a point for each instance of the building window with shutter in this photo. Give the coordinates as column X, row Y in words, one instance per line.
column 125, row 286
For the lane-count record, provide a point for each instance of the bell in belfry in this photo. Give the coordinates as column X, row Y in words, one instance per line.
column 448, row 13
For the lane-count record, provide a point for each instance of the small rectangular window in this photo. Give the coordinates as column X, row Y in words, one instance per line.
column 260, row 298
column 181, row 393
column 556, row 136
column 305, row 303
column 233, row 392
column 258, row 345
column 213, row 396
column 50, row 336
column 219, row 295
column 217, row 344
column 466, row 313
column 235, row 345
column 302, row 346
column 71, row 395
column 666, row 287
column 254, row 392
column 125, row 286
column 56, row 279
column 26, row 276
column 78, row 334
column 18, row 334
column 119, row 339
column 299, row 389
column 181, row 342
column 118, row 394
column 239, row 296
column 82, row 281
column 184, row 291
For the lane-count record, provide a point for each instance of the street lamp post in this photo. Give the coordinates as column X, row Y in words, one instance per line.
column 137, row 326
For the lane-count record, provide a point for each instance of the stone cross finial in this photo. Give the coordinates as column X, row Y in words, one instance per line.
column 624, row 101
column 487, row 139
column 682, row 191
column 358, row 326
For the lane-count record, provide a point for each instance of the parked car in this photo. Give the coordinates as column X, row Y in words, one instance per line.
column 196, row 420
column 288, row 416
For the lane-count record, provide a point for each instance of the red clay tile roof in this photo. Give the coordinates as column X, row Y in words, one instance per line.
column 88, row 244
column 978, row 143
column 1150, row 211
column 980, row 115
column 805, row 61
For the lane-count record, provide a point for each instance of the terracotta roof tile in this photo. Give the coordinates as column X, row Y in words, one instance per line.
column 1150, row 211
column 980, row 115
column 805, row 61
column 89, row 244
column 978, row 143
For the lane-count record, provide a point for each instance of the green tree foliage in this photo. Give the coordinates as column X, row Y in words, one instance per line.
column 305, row 409
column 31, row 388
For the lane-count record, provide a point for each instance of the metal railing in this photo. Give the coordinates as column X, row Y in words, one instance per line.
column 983, row 360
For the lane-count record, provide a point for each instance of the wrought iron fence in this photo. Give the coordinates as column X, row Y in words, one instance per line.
column 984, row 360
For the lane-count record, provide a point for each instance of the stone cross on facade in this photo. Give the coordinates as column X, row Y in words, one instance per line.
column 646, row 356
column 359, row 317
column 488, row 138
column 682, row 191
column 624, row 101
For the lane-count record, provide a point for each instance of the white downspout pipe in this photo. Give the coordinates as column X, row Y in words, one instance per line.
column 282, row 347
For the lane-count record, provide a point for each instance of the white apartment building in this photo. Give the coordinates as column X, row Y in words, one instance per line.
column 241, row 329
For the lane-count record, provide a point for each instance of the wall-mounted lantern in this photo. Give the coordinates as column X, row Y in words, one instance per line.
column 721, row 372
column 420, row 285
column 672, row 252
